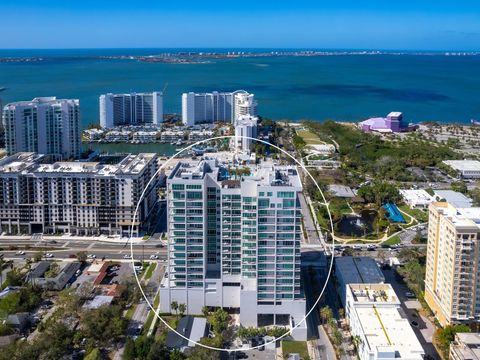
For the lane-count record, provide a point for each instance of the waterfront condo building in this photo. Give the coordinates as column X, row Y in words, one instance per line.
column 131, row 109
column 452, row 272
column 245, row 129
column 46, row 125
column 81, row 198
column 234, row 242
column 200, row 108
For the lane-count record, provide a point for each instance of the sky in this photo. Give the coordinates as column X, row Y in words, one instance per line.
column 333, row 24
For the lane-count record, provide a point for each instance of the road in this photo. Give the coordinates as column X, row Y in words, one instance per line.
column 425, row 329
column 315, row 330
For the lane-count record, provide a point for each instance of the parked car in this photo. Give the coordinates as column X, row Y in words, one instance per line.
column 91, row 256
column 153, row 257
column 410, row 295
column 49, row 255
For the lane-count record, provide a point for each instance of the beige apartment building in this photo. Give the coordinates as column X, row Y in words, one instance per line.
column 451, row 277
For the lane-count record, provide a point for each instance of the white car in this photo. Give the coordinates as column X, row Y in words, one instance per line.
column 127, row 256
column 153, row 257
column 20, row 252
column 49, row 255
column 91, row 256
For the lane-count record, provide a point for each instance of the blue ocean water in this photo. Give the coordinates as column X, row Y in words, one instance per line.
column 343, row 87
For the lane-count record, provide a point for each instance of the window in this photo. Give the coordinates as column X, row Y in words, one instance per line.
column 178, row 186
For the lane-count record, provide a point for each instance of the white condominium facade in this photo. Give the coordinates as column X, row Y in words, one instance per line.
column 216, row 106
column 131, row 109
column 452, row 273
column 83, row 198
column 245, row 129
column 46, row 125
column 374, row 315
column 235, row 243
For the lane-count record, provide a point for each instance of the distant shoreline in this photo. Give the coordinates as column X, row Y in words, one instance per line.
column 196, row 57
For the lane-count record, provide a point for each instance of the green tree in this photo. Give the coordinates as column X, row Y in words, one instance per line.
column 95, row 354
column 447, row 334
column 205, row 311
column 82, row 256
column 129, row 350
column 181, row 309
column 326, row 314
column 174, row 306
column 142, row 346
column 220, row 320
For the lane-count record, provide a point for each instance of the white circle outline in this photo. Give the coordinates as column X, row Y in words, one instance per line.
column 158, row 292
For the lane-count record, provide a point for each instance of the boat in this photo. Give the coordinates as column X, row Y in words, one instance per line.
column 475, row 122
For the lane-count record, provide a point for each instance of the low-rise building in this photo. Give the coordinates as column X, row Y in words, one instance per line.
column 467, row 169
column 117, row 136
column 341, row 191
column 198, row 135
column 356, row 270
column 82, row 198
column 39, row 275
column 417, row 199
column 466, row 346
column 374, row 314
column 170, row 136
column 454, row 198
column 144, row 136
column 93, row 134
column 193, row 328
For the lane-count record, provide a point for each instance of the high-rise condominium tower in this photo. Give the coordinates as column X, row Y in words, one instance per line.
column 46, row 125
column 216, row 106
column 234, row 242
column 452, row 273
column 131, row 109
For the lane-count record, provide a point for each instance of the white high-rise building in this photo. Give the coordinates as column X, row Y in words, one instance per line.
column 235, row 243
column 46, row 125
column 131, row 109
column 245, row 128
column 82, row 198
column 245, row 105
column 200, row 108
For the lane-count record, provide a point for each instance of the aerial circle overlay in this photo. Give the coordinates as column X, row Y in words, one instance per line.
column 163, row 166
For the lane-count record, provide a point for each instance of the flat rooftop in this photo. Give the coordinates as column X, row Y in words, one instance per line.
column 266, row 173
column 383, row 322
column 453, row 197
column 460, row 217
column 32, row 163
column 467, row 346
column 463, row 165
column 388, row 331
column 417, row 195
column 358, row 269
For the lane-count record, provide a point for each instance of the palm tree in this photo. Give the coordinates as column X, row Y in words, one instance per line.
column 182, row 308
column 356, row 341
column 205, row 311
column 174, row 306
column 326, row 314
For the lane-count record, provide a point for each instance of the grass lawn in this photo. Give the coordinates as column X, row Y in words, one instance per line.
column 130, row 312
column 392, row 241
column 420, row 215
column 309, row 137
column 291, row 347
column 150, row 270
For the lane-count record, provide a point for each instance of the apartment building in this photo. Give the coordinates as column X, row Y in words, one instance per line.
column 245, row 130
column 374, row 315
column 234, row 242
column 466, row 346
column 82, row 198
column 46, row 125
column 131, row 109
column 452, row 270
column 198, row 108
